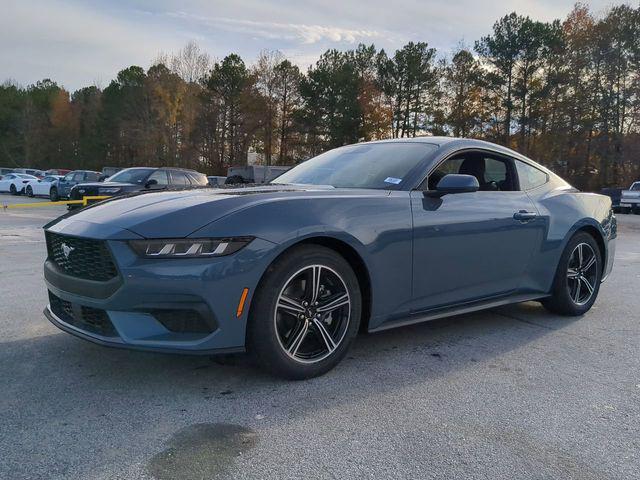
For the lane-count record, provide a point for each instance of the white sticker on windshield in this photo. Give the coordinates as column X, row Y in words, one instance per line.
column 393, row 180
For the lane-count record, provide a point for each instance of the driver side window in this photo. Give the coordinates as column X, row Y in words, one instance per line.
column 493, row 172
column 159, row 176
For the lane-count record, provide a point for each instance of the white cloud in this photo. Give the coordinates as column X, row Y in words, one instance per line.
column 72, row 44
column 306, row 34
column 78, row 43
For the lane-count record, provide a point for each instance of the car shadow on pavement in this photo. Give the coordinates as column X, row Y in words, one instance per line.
column 61, row 383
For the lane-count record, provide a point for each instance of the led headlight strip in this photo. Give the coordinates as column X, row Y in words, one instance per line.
column 189, row 247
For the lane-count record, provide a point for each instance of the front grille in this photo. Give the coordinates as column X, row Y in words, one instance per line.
column 81, row 257
column 79, row 193
column 92, row 320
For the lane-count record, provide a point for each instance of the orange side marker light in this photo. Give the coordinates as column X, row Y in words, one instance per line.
column 243, row 298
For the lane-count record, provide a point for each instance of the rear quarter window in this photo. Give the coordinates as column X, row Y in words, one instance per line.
column 529, row 176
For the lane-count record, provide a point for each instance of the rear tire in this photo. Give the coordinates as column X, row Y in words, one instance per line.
column 29, row 191
column 53, row 194
column 13, row 189
column 305, row 313
column 577, row 281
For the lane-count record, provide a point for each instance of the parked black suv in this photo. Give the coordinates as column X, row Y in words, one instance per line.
column 141, row 178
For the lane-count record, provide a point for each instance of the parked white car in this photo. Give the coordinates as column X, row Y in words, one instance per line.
column 42, row 187
column 630, row 200
column 15, row 183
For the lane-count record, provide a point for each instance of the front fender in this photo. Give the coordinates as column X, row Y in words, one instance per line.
column 376, row 226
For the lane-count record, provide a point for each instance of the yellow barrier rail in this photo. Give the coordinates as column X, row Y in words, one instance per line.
column 84, row 202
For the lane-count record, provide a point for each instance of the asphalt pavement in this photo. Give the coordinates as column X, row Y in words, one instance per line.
column 513, row 392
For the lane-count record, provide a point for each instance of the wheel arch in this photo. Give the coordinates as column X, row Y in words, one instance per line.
column 352, row 257
column 597, row 235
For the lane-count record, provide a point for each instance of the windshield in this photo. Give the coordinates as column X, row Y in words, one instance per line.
column 375, row 165
column 131, row 175
column 635, row 186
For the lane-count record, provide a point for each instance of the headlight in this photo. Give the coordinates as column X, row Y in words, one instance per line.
column 109, row 190
column 189, row 248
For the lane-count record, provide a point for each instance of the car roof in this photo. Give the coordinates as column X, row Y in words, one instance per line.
column 459, row 143
column 161, row 168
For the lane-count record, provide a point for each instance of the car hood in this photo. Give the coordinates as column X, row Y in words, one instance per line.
column 171, row 214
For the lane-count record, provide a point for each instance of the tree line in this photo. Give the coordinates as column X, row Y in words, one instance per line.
column 566, row 93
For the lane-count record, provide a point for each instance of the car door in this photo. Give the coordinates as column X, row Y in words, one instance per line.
column 41, row 187
column 36, row 185
column 5, row 182
column 472, row 246
column 68, row 181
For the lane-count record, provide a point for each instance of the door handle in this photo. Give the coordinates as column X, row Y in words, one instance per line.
column 524, row 216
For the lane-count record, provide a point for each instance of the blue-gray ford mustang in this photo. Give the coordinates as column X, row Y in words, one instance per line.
column 364, row 237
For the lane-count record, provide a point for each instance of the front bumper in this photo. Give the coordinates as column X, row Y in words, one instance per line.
column 117, row 342
column 173, row 306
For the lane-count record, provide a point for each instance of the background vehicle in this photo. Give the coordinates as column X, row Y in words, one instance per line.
column 57, row 171
column 615, row 194
column 5, row 170
column 30, row 171
column 42, row 186
column 15, row 183
column 140, row 178
column 630, row 201
column 216, row 180
column 255, row 173
column 71, row 179
column 377, row 235
column 109, row 171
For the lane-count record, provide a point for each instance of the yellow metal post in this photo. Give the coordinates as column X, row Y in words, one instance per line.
column 82, row 202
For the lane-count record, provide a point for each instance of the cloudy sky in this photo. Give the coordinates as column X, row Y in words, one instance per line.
column 79, row 43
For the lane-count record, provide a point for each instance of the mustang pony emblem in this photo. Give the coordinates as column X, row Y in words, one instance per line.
column 66, row 250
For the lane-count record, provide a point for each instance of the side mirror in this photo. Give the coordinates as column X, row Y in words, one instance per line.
column 102, row 178
column 454, row 183
column 150, row 183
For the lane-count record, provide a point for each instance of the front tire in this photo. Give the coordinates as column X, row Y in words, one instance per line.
column 305, row 313
column 577, row 281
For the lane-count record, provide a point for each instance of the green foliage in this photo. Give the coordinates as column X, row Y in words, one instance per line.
column 331, row 113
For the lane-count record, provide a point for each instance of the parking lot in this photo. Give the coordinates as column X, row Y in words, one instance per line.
column 513, row 392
